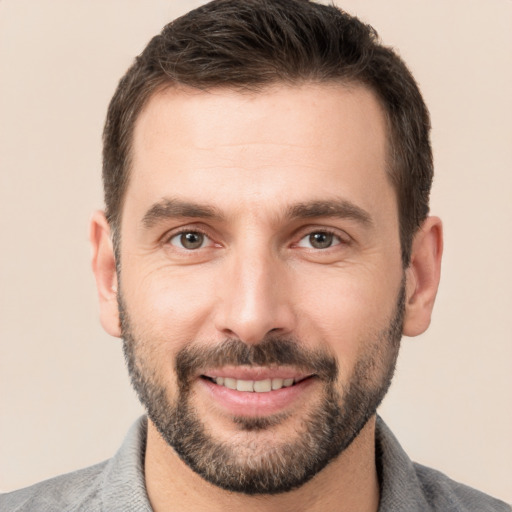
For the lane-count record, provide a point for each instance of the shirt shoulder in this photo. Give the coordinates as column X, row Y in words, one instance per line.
column 66, row 492
column 444, row 494
column 116, row 485
column 407, row 486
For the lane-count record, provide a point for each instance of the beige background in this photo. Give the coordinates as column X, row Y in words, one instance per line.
column 65, row 401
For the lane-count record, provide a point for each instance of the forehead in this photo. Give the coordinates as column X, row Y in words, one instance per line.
column 281, row 144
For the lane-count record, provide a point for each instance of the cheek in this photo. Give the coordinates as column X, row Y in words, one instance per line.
column 346, row 313
column 169, row 306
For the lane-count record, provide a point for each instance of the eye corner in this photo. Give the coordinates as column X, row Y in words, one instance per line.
column 321, row 239
column 187, row 240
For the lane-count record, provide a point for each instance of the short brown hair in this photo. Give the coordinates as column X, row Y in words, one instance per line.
column 247, row 45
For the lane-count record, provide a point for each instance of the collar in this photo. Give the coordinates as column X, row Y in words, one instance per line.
column 123, row 487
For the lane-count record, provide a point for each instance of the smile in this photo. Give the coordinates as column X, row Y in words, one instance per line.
column 255, row 392
column 253, row 386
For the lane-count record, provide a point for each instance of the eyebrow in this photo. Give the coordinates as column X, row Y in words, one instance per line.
column 169, row 208
column 176, row 208
column 340, row 208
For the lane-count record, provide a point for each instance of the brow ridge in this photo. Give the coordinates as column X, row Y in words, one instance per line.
column 169, row 208
column 340, row 208
column 176, row 208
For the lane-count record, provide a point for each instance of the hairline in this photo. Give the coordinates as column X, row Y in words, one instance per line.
column 167, row 83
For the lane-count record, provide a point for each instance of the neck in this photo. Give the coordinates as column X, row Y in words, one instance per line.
column 349, row 483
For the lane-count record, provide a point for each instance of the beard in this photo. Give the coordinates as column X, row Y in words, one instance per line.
column 248, row 463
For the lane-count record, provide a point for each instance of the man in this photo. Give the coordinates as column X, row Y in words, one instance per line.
column 266, row 243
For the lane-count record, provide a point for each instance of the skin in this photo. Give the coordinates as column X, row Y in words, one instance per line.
column 251, row 158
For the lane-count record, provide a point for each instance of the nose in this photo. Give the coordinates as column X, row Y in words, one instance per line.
column 254, row 298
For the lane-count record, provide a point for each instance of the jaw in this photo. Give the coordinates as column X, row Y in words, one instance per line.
column 348, row 483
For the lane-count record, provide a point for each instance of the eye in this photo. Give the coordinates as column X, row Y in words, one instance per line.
column 319, row 240
column 189, row 240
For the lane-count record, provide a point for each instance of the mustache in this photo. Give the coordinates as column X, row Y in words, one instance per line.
column 272, row 351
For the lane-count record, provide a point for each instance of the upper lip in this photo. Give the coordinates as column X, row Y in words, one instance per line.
column 256, row 373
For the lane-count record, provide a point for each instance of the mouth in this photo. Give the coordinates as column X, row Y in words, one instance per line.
column 257, row 392
column 255, row 386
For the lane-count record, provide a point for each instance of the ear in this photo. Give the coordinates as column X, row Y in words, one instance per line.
column 104, row 268
column 423, row 276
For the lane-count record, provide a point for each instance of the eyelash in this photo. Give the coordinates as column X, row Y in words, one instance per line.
column 341, row 240
column 322, row 231
column 184, row 231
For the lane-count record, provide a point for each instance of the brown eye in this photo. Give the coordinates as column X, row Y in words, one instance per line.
column 319, row 240
column 189, row 240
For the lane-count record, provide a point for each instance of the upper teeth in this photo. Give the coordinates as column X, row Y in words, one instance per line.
column 258, row 386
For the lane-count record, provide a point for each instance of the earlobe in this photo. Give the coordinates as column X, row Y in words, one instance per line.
column 104, row 269
column 423, row 276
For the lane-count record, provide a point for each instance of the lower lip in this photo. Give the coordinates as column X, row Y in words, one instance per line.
column 252, row 404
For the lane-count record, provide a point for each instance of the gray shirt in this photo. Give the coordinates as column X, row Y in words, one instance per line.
column 118, row 484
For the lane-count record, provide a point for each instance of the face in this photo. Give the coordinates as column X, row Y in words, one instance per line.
column 260, row 283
